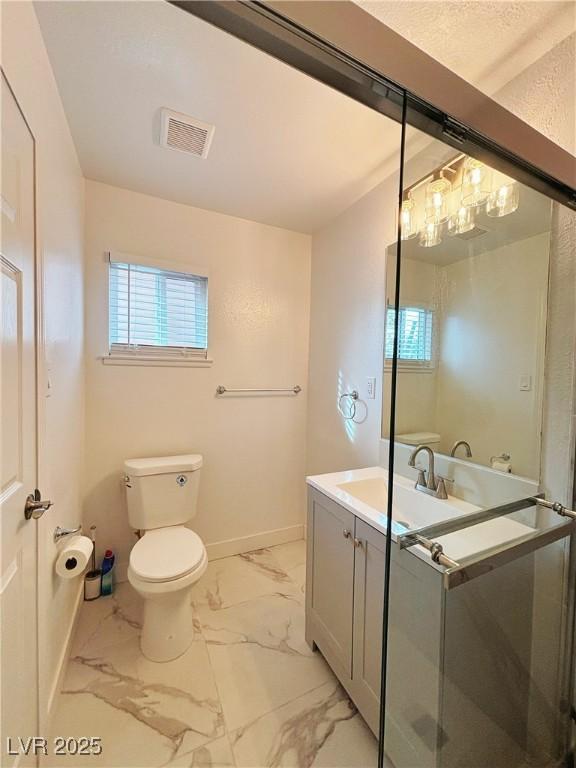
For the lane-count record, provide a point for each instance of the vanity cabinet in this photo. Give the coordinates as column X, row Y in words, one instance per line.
column 345, row 599
column 462, row 661
column 330, row 581
column 369, row 580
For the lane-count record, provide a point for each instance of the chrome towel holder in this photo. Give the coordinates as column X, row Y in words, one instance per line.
column 353, row 397
column 61, row 533
column 221, row 390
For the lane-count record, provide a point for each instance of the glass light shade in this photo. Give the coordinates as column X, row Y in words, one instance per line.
column 462, row 221
column 408, row 219
column 504, row 200
column 475, row 183
column 437, row 197
column 430, row 235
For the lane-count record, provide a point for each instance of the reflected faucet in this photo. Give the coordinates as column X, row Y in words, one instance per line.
column 466, row 445
column 432, row 485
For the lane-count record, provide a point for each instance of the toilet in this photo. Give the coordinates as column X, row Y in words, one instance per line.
column 169, row 558
column 419, row 438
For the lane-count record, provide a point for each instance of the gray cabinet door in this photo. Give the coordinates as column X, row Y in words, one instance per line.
column 330, row 581
column 368, row 612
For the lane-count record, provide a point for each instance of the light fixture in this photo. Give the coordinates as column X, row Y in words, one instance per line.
column 435, row 206
column 475, row 183
column 430, row 235
column 504, row 200
column 462, row 221
column 436, row 202
column 407, row 219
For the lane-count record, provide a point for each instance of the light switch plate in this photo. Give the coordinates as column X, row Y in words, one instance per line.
column 525, row 383
column 371, row 387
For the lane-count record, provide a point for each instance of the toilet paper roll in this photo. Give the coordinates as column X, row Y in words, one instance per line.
column 74, row 557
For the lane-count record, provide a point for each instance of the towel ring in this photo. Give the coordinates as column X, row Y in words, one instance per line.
column 351, row 404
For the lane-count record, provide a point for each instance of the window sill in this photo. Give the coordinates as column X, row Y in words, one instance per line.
column 403, row 368
column 156, row 361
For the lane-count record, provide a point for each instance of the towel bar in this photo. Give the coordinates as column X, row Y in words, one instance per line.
column 220, row 390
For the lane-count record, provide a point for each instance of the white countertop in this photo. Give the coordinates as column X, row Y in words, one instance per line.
column 363, row 492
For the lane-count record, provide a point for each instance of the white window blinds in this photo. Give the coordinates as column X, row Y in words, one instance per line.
column 414, row 334
column 157, row 311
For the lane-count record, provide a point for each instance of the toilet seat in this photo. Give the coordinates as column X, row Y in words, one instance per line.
column 166, row 554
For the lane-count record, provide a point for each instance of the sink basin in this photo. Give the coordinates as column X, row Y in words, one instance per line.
column 372, row 491
column 411, row 508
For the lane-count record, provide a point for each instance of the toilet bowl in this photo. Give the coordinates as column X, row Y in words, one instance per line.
column 164, row 565
column 169, row 558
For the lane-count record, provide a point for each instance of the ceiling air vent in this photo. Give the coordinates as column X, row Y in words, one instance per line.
column 185, row 134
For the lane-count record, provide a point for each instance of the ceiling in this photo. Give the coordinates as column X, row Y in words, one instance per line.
column 486, row 42
column 287, row 150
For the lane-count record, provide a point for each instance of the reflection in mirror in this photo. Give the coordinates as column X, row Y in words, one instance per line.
column 479, row 610
column 472, row 304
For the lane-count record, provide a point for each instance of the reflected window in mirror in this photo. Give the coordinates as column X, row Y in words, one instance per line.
column 415, row 330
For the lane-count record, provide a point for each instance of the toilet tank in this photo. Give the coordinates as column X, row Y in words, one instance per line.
column 162, row 491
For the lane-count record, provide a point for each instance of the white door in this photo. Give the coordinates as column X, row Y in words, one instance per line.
column 18, row 585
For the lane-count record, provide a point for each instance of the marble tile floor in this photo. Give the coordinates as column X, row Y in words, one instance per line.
column 248, row 692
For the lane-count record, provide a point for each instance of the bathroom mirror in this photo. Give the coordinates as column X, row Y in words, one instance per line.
column 472, row 313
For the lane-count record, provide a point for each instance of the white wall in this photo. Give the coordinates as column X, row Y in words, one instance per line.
column 347, row 330
column 493, row 319
column 60, row 251
column 252, row 482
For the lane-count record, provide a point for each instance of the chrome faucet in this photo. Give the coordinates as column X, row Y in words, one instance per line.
column 457, row 445
column 432, row 485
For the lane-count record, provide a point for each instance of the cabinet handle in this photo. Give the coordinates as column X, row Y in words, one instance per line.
column 358, row 543
column 346, row 533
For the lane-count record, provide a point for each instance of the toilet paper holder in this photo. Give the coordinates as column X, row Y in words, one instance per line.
column 61, row 533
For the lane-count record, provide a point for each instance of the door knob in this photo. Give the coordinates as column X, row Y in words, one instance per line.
column 35, row 506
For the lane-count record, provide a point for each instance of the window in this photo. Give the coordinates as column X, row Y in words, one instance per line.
column 157, row 312
column 414, row 335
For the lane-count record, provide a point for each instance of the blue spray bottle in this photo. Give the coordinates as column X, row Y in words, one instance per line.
column 108, row 573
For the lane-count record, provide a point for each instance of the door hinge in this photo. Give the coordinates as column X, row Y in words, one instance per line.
column 456, row 131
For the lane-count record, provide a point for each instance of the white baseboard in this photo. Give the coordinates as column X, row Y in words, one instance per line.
column 257, row 541
column 63, row 658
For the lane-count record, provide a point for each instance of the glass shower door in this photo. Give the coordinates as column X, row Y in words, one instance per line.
column 479, row 612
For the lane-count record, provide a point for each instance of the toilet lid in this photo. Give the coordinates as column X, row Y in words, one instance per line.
column 164, row 554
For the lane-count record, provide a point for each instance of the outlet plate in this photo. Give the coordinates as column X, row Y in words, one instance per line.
column 525, row 383
column 371, row 387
